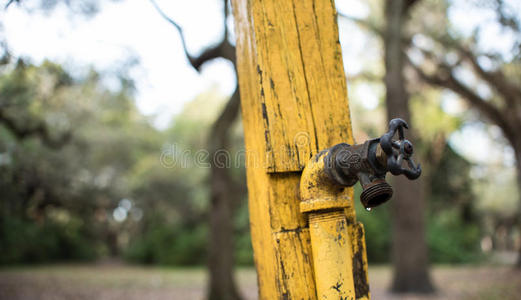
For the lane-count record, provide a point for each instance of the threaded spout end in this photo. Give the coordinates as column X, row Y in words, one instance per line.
column 376, row 193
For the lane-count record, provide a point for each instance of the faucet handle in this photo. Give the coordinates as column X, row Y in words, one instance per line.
column 399, row 150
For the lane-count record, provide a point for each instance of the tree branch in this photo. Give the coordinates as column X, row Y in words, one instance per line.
column 364, row 23
column 224, row 49
column 444, row 78
column 224, row 121
column 10, row 2
column 40, row 130
column 173, row 23
column 509, row 21
column 511, row 93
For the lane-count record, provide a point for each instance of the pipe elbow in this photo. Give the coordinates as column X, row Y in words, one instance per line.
column 318, row 192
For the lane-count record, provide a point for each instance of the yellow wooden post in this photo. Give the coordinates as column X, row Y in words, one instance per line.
column 294, row 104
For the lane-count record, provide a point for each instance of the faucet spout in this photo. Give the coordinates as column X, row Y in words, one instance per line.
column 375, row 193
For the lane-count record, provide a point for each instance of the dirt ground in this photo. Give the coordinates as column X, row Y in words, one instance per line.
column 103, row 282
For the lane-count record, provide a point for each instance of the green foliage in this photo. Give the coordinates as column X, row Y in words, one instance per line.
column 451, row 185
column 177, row 194
column 243, row 250
column 29, row 242
column 243, row 247
column 49, row 194
column 169, row 245
column 451, row 240
column 453, row 233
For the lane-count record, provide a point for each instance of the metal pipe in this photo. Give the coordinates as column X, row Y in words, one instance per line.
column 339, row 260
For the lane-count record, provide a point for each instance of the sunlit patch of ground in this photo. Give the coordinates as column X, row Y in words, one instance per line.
column 125, row 282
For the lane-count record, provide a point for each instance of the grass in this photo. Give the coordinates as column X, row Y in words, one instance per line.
column 132, row 282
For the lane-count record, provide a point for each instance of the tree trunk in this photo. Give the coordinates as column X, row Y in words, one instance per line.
column 517, row 150
column 223, row 199
column 409, row 248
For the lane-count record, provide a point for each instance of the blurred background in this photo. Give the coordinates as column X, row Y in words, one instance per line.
column 110, row 109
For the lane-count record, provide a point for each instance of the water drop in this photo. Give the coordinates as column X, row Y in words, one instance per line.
column 368, row 209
